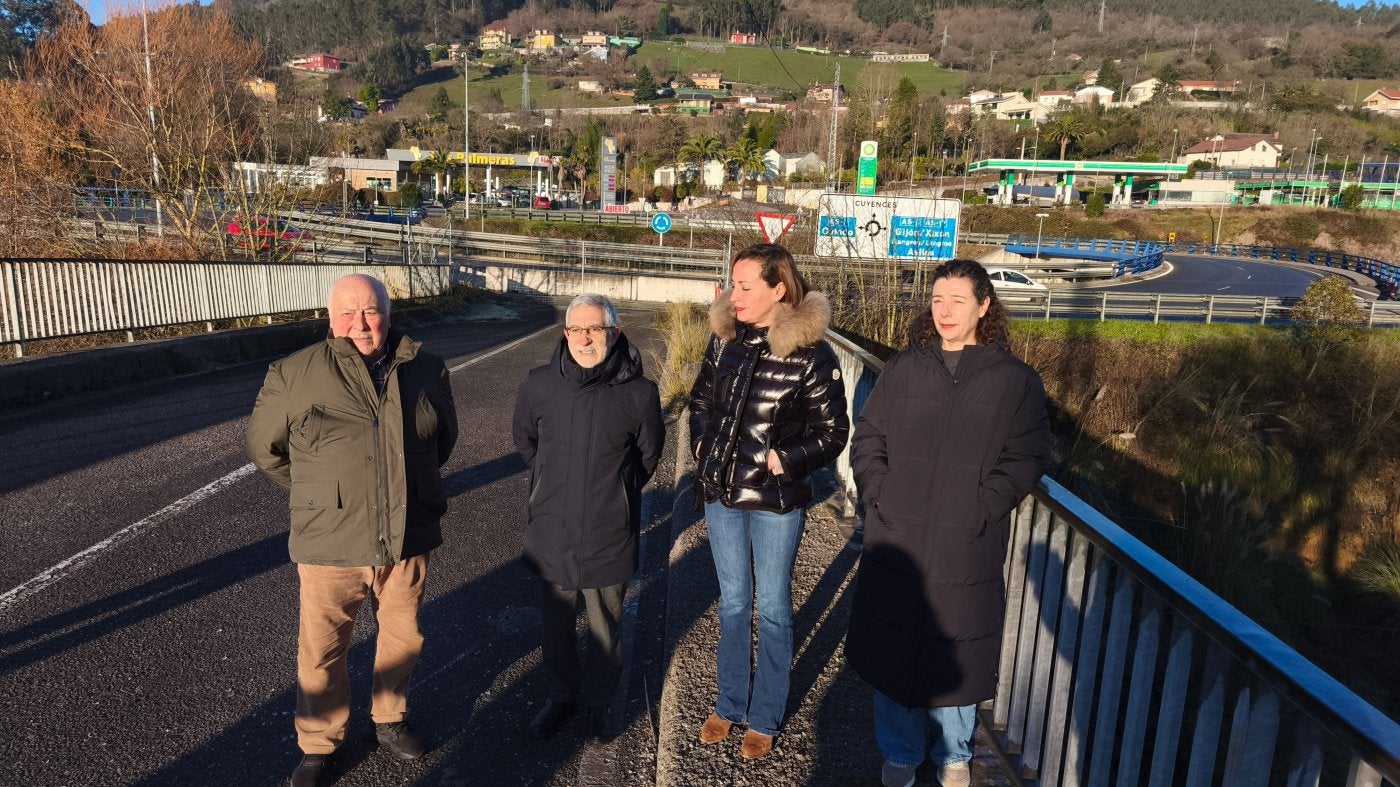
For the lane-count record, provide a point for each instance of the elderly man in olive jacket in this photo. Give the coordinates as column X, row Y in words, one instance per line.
column 589, row 426
column 355, row 428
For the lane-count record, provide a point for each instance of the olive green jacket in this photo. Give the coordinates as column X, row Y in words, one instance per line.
column 362, row 469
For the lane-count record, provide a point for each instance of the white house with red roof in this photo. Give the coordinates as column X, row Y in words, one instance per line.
column 1235, row 151
column 1385, row 101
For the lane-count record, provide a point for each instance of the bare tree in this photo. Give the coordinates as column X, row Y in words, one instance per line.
column 169, row 129
column 35, row 180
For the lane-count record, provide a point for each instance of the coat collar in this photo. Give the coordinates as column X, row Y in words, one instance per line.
column 792, row 328
column 400, row 346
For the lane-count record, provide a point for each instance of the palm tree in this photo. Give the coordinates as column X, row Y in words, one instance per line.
column 747, row 157
column 702, row 148
column 1067, row 128
column 439, row 163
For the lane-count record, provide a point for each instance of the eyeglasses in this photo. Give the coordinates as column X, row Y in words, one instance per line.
column 594, row 332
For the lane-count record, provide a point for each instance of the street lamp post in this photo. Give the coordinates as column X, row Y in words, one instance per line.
column 467, row 140
column 1040, row 232
column 1171, row 155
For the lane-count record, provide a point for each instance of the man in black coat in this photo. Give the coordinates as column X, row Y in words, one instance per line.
column 589, row 426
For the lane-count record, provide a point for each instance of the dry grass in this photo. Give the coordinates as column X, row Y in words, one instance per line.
column 686, row 328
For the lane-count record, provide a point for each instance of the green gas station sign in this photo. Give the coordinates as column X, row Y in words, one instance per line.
column 869, row 163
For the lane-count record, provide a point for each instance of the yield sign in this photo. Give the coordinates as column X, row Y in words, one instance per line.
column 774, row 225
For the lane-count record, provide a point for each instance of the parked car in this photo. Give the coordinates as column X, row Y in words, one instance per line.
column 541, row 202
column 504, row 201
column 268, row 232
column 1013, row 285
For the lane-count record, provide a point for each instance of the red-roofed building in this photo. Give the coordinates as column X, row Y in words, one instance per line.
column 744, row 38
column 1235, row 151
column 1385, row 101
column 318, row 62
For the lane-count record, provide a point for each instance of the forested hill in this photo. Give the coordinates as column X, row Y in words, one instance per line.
column 962, row 32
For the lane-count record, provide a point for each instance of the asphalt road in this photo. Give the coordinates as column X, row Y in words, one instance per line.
column 148, row 608
column 1216, row 276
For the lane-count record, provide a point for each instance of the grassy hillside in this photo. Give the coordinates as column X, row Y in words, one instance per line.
column 794, row 71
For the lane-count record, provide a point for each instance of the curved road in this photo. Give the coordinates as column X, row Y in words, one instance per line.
column 1223, row 276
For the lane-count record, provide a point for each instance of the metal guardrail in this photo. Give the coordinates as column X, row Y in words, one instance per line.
column 1106, row 304
column 1376, row 269
column 1127, row 256
column 47, row 299
column 1105, row 641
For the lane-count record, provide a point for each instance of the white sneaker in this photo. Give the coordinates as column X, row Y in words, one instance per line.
column 897, row 775
column 957, row 774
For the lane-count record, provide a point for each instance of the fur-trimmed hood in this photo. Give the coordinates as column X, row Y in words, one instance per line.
column 792, row 328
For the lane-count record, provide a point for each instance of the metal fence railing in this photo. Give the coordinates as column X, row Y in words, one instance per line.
column 1127, row 256
column 1119, row 668
column 47, row 299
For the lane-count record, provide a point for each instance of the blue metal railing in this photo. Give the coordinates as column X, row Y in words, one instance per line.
column 1377, row 269
column 1127, row 256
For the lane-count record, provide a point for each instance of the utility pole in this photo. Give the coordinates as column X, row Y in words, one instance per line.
column 831, row 134
column 943, row 43
column 467, row 140
column 151, row 113
column 1102, row 3
column 525, row 89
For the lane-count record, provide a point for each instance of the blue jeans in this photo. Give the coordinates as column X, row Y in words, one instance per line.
column 754, row 548
column 904, row 734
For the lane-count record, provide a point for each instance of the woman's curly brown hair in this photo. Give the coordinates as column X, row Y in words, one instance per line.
column 993, row 328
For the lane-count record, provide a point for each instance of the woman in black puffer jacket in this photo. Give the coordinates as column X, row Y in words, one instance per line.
column 768, row 408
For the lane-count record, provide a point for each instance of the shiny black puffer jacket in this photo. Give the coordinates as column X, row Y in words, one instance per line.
column 777, row 388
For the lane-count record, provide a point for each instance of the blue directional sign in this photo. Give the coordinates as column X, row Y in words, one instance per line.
column 838, row 227
column 661, row 222
column 918, row 236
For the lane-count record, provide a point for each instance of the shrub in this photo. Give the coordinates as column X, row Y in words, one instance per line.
column 1328, row 302
column 1094, row 207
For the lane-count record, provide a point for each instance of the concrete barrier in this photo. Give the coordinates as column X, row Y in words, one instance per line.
column 566, row 281
column 30, row 381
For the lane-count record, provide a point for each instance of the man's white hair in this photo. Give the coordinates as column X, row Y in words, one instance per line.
column 598, row 301
column 381, row 293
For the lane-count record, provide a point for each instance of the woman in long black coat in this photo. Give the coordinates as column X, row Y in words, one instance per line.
column 952, row 438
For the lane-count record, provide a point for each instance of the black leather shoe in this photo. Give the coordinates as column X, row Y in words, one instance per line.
column 547, row 721
column 400, row 740
column 312, row 771
column 600, row 726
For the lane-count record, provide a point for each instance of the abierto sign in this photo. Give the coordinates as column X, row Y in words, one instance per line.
column 907, row 228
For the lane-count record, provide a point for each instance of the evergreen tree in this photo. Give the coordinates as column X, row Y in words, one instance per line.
column 663, row 21
column 1042, row 23
column 21, row 24
column 899, row 120
column 1110, row 77
column 645, row 85
column 335, row 107
column 441, row 103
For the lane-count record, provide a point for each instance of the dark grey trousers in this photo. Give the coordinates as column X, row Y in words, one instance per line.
column 592, row 679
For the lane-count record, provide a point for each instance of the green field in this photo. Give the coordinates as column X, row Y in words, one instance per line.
column 786, row 70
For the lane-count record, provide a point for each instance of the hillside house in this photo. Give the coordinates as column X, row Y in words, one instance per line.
column 1054, row 99
column 825, row 93
column 319, row 62
column 1142, row 92
column 1235, row 151
column 746, row 39
column 777, row 166
column 590, row 86
column 594, row 38
column 708, row 80
column 1385, row 101
column 712, row 174
column 1205, row 89
column 540, row 41
column 1093, row 95
column 494, row 39
column 261, row 89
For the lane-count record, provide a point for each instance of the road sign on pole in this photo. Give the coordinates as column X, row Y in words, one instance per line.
column 774, row 225
column 869, row 164
column 661, row 224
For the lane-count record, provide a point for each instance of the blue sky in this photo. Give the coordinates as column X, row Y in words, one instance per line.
column 97, row 9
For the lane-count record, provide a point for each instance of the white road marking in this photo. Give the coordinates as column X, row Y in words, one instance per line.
column 61, row 569
column 56, row 572
column 1226, row 287
column 502, row 348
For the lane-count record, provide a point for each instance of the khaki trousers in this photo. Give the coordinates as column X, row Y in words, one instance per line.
column 331, row 597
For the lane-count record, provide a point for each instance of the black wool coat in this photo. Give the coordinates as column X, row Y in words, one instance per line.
column 776, row 388
column 591, row 447
column 941, row 460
